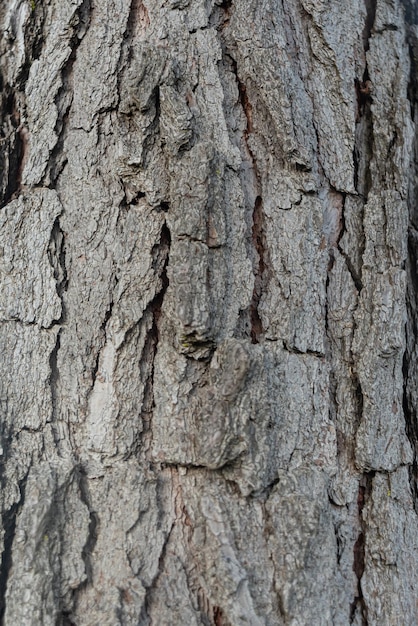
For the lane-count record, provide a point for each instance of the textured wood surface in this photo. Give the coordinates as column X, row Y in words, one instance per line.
column 208, row 312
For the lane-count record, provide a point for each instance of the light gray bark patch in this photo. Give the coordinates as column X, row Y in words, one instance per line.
column 28, row 288
column 305, row 561
column 9, row 520
column 207, row 428
column 292, row 307
column 175, row 119
column 145, row 78
column 37, row 575
column 389, row 513
column 192, row 297
column 43, row 87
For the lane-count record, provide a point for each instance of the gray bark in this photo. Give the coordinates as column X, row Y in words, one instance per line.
column 209, row 309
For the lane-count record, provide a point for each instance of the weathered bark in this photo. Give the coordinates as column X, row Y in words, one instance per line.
column 209, row 312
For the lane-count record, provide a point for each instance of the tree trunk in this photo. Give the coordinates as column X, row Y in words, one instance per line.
column 209, row 310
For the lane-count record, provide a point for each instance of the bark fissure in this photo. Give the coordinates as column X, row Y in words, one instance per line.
column 93, row 529
column 15, row 144
column 259, row 245
column 371, row 6
column 348, row 261
column 359, row 549
column 54, row 377
column 363, row 149
column 161, row 253
column 409, row 365
column 411, row 327
column 103, row 327
column 258, row 219
column 34, row 39
column 57, row 254
column 138, row 17
column 411, row 427
column 294, row 350
column 412, row 38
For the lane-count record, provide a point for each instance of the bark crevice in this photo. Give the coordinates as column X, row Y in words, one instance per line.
column 56, row 255
column 54, row 376
column 13, row 147
column 359, row 549
column 258, row 218
column 411, row 329
column 93, row 529
column 161, row 254
column 260, row 247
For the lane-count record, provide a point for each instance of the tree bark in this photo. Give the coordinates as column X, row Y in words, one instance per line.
column 209, row 310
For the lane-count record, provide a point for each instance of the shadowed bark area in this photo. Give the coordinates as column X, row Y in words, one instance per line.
column 208, row 312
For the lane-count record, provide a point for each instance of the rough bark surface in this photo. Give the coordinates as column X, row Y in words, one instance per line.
column 209, row 312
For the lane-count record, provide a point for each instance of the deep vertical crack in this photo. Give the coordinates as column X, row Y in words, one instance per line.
column 359, row 549
column 370, row 19
column 364, row 137
column 161, row 255
column 138, row 20
column 410, row 366
column 258, row 218
column 54, row 376
column 56, row 255
column 259, row 244
column 13, row 148
column 92, row 529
